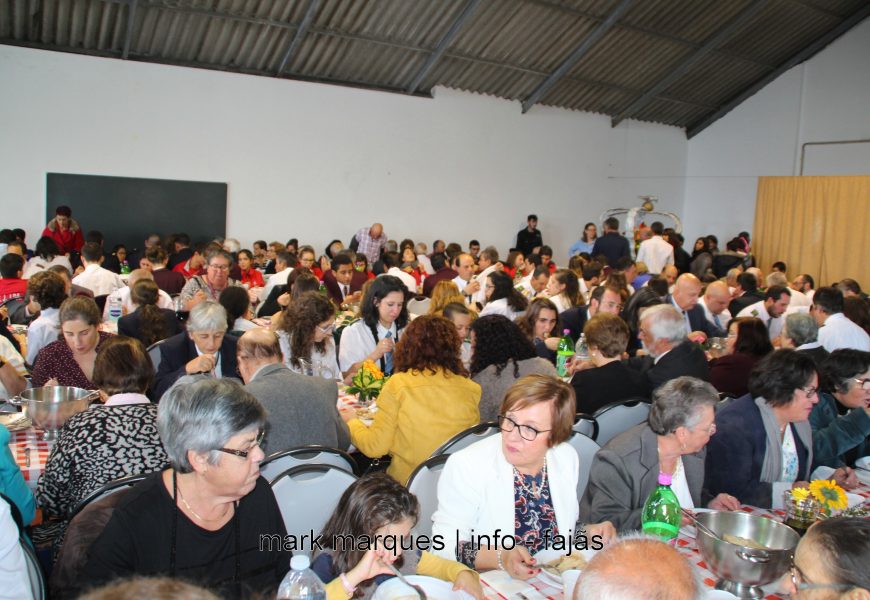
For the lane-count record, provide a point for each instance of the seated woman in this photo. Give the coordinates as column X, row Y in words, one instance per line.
column 748, row 342
column 202, row 519
column 384, row 316
column 12, row 483
column 801, row 332
column 831, row 561
column 444, row 293
column 610, row 380
column 377, row 505
column 250, row 277
column 626, row 470
column 428, row 400
column 502, row 298
column 305, row 334
column 411, row 265
column 563, row 289
column 539, row 325
column 765, row 443
column 148, row 323
column 840, row 439
column 501, row 354
column 70, row 361
column 205, row 348
column 521, row 483
column 48, row 290
column 109, row 441
column 236, row 302
column 462, row 317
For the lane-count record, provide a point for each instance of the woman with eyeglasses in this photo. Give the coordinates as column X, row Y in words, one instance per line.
column 305, row 334
column 502, row 298
column 838, row 440
column 506, row 497
column 202, row 519
column 625, row 471
column 830, row 562
column 216, row 279
column 765, row 444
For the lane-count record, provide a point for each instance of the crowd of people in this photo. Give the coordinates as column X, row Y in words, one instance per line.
column 208, row 357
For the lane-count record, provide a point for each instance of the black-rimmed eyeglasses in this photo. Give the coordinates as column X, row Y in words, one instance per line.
column 244, row 453
column 527, row 432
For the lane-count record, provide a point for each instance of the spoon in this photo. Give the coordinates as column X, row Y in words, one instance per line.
column 401, row 577
column 700, row 525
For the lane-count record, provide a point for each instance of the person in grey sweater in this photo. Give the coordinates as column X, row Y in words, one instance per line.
column 302, row 410
column 501, row 354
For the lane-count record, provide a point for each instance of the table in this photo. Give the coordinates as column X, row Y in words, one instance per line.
column 30, row 453
column 686, row 547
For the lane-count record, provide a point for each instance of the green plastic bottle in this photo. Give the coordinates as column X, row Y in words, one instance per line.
column 563, row 353
column 661, row 515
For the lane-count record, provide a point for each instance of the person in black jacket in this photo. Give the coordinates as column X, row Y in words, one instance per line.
column 530, row 239
column 611, row 244
column 748, row 284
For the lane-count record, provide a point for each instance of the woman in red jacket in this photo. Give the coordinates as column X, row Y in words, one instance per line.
column 65, row 231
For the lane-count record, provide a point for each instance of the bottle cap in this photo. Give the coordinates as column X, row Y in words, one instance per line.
column 299, row 562
column 665, row 479
column 566, row 331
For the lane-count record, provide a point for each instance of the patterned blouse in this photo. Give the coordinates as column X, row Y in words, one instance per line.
column 56, row 361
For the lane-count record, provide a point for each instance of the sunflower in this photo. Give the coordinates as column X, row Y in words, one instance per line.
column 800, row 494
column 829, row 494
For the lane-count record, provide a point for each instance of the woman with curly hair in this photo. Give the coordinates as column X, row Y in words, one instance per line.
column 148, row 323
column 563, row 289
column 47, row 289
column 444, row 293
column 305, row 334
column 496, row 342
column 502, row 298
column 427, row 401
column 539, row 325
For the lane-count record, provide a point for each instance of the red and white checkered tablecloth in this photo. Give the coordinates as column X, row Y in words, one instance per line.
column 31, row 454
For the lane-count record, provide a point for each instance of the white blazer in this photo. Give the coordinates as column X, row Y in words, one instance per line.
column 476, row 493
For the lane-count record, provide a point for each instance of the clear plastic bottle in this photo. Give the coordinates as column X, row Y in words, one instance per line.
column 581, row 349
column 661, row 515
column 114, row 308
column 300, row 582
column 564, row 352
column 322, row 287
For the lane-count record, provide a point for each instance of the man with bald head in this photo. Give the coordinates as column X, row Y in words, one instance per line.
column 302, row 410
column 685, row 297
column 371, row 240
column 164, row 300
column 715, row 304
column 638, row 568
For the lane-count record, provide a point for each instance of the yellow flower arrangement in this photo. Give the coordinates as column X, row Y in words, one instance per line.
column 367, row 382
column 800, row 494
column 830, row 495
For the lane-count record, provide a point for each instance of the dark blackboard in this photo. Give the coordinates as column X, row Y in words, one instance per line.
column 127, row 209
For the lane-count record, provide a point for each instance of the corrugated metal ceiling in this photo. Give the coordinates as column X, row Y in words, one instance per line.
column 678, row 62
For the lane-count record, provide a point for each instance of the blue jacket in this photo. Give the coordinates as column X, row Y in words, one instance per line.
column 834, row 435
column 613, row 246
column 736, row 454
column 12, row 484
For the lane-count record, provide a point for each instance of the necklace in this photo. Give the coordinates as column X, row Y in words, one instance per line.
column 196, row 514
column 534, row 490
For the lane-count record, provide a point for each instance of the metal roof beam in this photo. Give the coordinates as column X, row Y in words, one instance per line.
column 798, row 58
column 579, row 52
column 463, row 17
column 718, row 38
column 128, row 33
column 300, row 33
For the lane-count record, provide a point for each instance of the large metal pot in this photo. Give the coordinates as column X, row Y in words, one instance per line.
column 742, row 570
column 49, row 407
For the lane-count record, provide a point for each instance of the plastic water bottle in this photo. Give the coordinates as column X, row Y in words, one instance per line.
column 581, row 349
column 563, row 353
column 301, row 583
column 125, row 267
column 322, row 287
column 114, row 309
column 661, row 514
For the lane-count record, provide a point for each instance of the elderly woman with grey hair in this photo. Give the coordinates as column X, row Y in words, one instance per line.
column 625, row 471
column 801, row 332
column 205, row 348
column 202, row 519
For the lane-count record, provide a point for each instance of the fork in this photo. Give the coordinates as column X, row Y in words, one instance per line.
column 417, row 588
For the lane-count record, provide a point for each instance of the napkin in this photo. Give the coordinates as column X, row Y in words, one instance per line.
column 509, row 587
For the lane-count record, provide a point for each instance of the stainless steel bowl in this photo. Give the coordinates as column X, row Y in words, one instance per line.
column 49, row 407
column 742, row 570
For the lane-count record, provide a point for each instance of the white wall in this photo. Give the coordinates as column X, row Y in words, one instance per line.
column 318, row 161
column 823, row 99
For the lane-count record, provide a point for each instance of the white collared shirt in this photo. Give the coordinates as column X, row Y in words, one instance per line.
column 460, row 283
column 724, row 316
column 656, row 254
column 127, row 399
column 840, row 332
column 406, row 278
column 279, row 278
column 217, row 362
column 480, row 296
column 774, row 324
column 100, row 281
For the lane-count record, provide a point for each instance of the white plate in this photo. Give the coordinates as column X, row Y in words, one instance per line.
column 436, row 589
column 718, row 595
column 545, row 556
column 690, row 530
column 854, row 500
column 863, row 462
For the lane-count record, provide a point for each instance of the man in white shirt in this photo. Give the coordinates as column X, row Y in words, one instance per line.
column 535, row 283
column 283, row 269
column 798, row 298
column 391, row 261
column 715, row 304
column 464, row 265
column 771, row 310
column 836, row 331
column 487, row 263
column 656, row 252
column 804, row 284
column 164, row 300
column 100, row 281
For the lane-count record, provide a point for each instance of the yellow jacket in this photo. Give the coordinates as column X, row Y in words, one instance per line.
column 417, row 412
column 431, row 565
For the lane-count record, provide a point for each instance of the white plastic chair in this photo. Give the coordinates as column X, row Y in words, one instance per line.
column 586, row 449
column 463, row 439
column 419, row 306
column 423, row 483
column 615, row 418
column 279, row 462
column 307, row 495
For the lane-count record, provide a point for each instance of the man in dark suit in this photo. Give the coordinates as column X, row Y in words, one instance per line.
column 205, row 348
column 343, row 282
column 747, row 284
column 687, row 292
column 670, row 354
column 443, row 272
column 302, row 409
column 611, row 244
